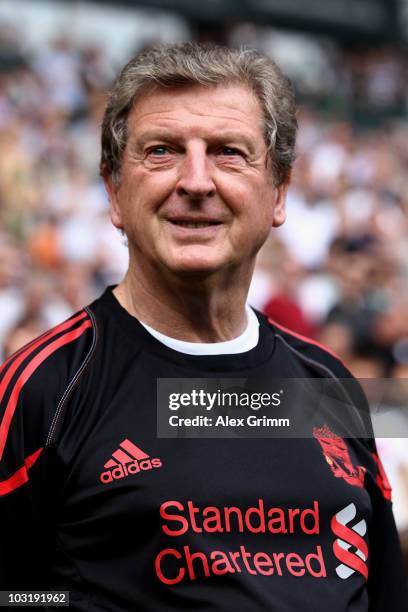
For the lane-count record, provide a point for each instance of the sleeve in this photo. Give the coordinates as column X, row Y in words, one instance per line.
column 23, row 557
column 387, row 581
column 21, row 490
column 387, row 584
column 34, row 384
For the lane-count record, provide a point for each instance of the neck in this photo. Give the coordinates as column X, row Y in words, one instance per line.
column 190, row 309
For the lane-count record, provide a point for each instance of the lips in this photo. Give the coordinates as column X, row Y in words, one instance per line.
column 194, row 224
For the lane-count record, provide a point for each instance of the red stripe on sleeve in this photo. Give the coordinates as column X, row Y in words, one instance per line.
column 21, row 349
column 27, row 349
column 382, row 481
column 28, row 371
column 21, row 476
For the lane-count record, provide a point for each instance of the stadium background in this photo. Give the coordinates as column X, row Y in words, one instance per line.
column 336, row 271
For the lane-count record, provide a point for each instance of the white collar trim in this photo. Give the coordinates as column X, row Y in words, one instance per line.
column 243, row 343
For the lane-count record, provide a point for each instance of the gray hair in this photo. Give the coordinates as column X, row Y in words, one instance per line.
column 185, row 64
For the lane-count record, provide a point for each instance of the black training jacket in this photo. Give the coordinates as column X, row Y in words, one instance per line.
column 93, row 502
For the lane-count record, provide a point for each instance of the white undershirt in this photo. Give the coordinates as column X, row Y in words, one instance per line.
column 243, row 343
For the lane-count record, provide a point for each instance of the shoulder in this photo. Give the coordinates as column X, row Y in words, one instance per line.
column 34, row 383
column 320, row 361
column 310, row 352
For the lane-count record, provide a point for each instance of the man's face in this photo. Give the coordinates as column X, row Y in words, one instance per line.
column 196, row 192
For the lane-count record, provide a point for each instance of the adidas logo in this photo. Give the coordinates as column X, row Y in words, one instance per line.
column 128, row 459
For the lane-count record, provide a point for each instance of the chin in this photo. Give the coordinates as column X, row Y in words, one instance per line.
column 196, row 263
column 195, row 267
column 202, row 270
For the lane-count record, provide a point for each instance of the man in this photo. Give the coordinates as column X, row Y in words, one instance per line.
column 197, row 148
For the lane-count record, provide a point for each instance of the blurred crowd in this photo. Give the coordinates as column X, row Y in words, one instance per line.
column 57, row 246
column 336, row 271
column 339, row 265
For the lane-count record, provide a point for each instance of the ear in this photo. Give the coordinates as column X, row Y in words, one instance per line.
column 279, row 213
column 113, row 195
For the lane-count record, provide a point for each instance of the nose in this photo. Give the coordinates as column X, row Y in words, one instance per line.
column 196, row 174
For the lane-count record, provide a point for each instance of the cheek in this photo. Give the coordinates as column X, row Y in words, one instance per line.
column 247, row 196
column 129, row 207
column 236, row 193
column 152, row 190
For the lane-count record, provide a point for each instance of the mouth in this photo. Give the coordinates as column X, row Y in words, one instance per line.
column 194, row 224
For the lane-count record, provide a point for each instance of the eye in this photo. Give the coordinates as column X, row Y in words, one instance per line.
column 230, row 151
column 158, row 151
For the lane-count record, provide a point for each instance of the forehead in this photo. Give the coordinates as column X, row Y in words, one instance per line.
column 197, row 108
